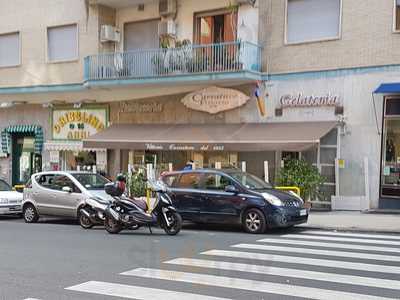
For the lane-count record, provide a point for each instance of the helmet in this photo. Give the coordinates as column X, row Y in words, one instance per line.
column 121, row 177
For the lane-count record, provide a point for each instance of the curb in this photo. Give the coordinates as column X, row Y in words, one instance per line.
column 349, row 229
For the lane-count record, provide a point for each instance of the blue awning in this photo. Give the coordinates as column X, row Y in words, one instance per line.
column 388, row 88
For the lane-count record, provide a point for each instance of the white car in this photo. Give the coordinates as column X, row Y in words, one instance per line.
column 10, row 201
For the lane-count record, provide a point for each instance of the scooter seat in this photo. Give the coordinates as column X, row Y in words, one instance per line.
column 140, row 202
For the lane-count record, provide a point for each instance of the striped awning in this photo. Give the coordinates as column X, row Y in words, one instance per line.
column 34, row 130
column 55, row 145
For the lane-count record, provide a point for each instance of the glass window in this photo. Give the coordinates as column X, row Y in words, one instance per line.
column 46, row 180
column 189, row 181
column 216, row 182
column 91, row 181
column 250, row 181
column 62, row 43
column 9, row 50
column 397, row 15
column 312, row 20
column 61, row 181
column 169, row 179
column 216, row 27
column 4, row 186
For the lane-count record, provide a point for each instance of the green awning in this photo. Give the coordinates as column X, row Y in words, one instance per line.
column 34, row 130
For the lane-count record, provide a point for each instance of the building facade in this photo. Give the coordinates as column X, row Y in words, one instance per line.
column 105, row 85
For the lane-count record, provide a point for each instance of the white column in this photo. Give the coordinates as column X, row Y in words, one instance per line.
column 149, row 168
column 266, row 171
column 337, row 170
column 244, row 166
column 218, row 165
column 367, row 203
column 170, row 167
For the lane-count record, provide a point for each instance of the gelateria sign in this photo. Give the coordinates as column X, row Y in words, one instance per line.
column 78, row 124
column 215, row 99
column 301, row 100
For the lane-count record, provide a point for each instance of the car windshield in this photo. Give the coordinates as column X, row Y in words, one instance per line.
column 4, row 187
column 250, row 181
column 91, row 181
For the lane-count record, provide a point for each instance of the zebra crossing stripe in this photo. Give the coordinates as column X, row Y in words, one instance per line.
column 349, row 234
column 305, row 261
column 246, row 284
column 135, row 292
column 276, row 271
column 319, row 252
column 342, row 239
column 329, row 245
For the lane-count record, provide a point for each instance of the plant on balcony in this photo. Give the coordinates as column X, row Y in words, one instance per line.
column 298, row 172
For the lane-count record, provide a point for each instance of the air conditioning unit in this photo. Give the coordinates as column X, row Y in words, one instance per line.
column 167, row 27
column 167, row 7
column 109, row 33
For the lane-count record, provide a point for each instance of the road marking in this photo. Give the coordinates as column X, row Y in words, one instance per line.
column 341, row 239
column 329, row 245
column 246, row 284
column 319, row 252
column 335, row 233
column 135, row 292
column 305, row 261
column 267, row 270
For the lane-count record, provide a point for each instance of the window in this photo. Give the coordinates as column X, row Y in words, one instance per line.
column 46, row 181
column 9, row 50
column 91, row 181
column 61, row 181
column 312, row 20
column 169, row 180
column 189, row 181
column 4, row 187
column 396, row 15
column 216, row 27
column 217, row 182
column 62, row 43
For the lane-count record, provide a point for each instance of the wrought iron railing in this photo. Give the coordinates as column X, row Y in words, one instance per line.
column 190, row 59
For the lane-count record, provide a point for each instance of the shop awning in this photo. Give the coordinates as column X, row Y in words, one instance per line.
column 55, row 145
column 211, row 137
column 34, row 130
column 388, row 88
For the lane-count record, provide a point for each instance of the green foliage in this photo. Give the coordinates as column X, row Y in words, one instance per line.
column 137, row 185
column 303, row 175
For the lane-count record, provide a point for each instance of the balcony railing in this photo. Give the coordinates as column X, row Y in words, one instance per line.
column 187, row 60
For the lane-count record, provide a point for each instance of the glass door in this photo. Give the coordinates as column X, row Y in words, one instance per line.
column 24, row 161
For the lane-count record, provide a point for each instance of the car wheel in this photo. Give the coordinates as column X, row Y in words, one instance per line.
column 84, row 221
column 30, row 214
column 254, row 221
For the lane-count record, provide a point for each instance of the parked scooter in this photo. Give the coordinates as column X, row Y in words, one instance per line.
column 93, row 212
column 123, row 212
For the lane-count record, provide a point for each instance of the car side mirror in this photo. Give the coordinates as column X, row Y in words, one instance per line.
column 231, row 189
column 67, row 189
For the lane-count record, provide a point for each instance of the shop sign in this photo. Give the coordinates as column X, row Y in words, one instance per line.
column 183, row 147
column 135, row 107
column 78, row 124
column 214, row 100
column 300, row 100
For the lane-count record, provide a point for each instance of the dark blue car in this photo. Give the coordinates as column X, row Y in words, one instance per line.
column 233, row 197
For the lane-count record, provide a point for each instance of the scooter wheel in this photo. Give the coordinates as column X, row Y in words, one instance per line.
column 176, row 226
column 85, row 221
column 112, row 226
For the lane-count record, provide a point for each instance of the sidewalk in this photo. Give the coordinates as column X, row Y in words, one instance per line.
column 356, row 221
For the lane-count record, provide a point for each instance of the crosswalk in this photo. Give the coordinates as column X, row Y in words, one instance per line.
column 310, row 264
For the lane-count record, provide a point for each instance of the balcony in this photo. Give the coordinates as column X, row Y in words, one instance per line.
column 233, row 58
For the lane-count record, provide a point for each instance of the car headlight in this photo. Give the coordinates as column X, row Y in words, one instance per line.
column 272, row 199
column 3, row 201
column 297, row 196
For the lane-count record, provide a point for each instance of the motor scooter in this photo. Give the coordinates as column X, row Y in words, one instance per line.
column 123, row 212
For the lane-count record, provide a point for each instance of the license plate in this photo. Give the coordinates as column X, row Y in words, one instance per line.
column 303, row 212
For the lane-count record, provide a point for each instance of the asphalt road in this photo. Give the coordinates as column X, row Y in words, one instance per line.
column 59, row 260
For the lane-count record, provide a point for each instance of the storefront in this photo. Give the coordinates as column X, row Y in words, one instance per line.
column 69, row 127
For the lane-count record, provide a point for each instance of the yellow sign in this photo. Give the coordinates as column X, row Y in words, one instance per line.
column 78, row 124
column 341, row 163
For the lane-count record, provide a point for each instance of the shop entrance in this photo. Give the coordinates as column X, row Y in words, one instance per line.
column 390, row 173
column 24, row 160
column 78, row 160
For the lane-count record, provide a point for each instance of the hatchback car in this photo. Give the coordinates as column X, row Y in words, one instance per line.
column 60, row 194
column 233, row 197
column 10, row 201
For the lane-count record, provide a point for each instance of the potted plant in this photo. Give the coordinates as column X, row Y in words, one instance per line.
column 298, row 172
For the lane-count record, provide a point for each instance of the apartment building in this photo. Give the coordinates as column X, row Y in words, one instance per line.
column 109, row 84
